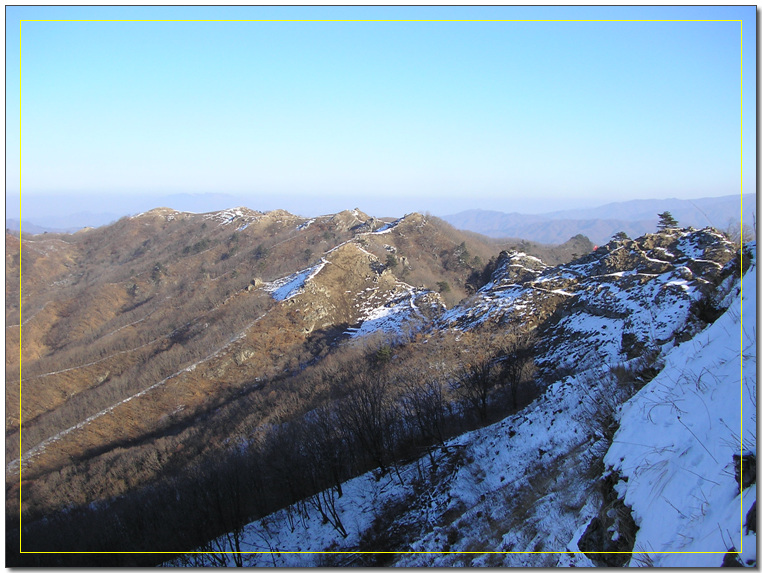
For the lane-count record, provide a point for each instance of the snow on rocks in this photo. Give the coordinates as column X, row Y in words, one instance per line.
column 387, row 228
column 165, row 212
column 522, row 491
column 240, row 215
column 677, row 439
column 398, row 315
column 609, row 304
column 305, row 225
column 288, row 287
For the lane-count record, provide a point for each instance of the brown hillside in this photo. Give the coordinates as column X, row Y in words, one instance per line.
column 154, row 320
column 138, row 339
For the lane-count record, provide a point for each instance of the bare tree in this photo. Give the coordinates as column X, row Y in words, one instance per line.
column 369, row 415
column 474, row 382
column 325, row 438
column 324, row 450
column 223, row 500
column 516, row 358
column 426, row 406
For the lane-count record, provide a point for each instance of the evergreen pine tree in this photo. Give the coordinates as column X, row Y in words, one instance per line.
column 666, row 221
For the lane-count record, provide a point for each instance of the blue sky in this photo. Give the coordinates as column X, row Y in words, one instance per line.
column 432, row 116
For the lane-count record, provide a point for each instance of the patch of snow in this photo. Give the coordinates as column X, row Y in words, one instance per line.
column 227, row 216
column 292, row 285
column 384, row 230
column 531, row 258
column 393, row 316
column 388, row 227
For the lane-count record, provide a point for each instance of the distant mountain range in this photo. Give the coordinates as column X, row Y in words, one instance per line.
column 597, row 223
column 28, row 227
column 600, row 223
column 54, row 213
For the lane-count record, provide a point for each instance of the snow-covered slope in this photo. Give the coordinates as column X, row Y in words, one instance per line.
column 609, row 306
column 678, row 437
column 399, row 314
column 527, row 490
column 371, row 298
column 288, row 287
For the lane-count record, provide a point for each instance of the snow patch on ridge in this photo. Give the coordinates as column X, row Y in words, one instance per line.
column 292, row 285
column 394, row 317
column 226, row 217
column 388, row 227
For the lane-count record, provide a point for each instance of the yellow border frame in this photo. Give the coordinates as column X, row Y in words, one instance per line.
column 369, row 552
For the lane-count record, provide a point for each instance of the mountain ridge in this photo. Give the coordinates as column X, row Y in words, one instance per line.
column 495, row 471
column 170, row 352
column 634, row 217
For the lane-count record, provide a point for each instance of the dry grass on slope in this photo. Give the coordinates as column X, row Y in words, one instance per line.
column 153, row 332
column 230, row 352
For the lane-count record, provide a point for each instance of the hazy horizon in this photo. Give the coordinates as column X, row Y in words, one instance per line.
column 390, row 117
column 52, row 211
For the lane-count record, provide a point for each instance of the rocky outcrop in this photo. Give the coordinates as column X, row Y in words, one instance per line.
column 615, row 303
column 610, row 536
column 516, row 268
column 356, row 221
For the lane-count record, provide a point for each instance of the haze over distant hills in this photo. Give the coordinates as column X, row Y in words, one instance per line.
column 68, row 213
column 56, row 214
column 600, row 223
